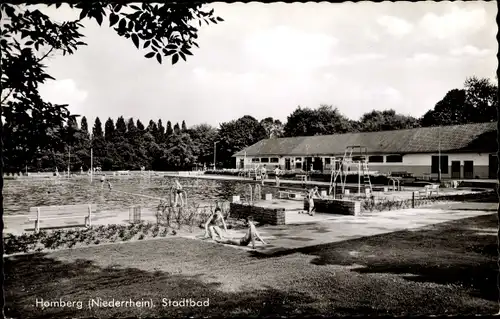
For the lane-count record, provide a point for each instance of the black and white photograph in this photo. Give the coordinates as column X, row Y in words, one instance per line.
column 216, row 160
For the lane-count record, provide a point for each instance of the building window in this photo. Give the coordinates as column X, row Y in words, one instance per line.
column 255, row 160
column 394, row 159
column 274, row 160
column 298, row 165
column 327, row 161
column 435, row 164
column 264, row 159
column 376, row 159
column 298, row 159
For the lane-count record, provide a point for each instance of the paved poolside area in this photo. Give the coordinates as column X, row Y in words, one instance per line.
column 335, row 228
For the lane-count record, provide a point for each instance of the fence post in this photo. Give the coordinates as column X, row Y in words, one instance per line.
column 90, row 216
column 412, row 199
column 37, row 222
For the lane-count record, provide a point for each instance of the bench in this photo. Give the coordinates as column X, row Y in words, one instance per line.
column 429, row 189
column 290, row 195
column 75, row 212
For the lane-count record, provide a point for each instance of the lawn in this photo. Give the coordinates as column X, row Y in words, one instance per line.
column 448, row 269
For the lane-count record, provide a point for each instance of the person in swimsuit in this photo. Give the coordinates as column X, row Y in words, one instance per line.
column 263, row 172
column 277, row 172
column 212, row 228
column 310, row 196
column 250, row 236
column 178, row 192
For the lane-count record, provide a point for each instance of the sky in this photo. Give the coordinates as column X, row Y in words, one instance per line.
column 264, row 60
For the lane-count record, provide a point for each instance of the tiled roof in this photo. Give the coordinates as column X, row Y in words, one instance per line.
column 480, row 137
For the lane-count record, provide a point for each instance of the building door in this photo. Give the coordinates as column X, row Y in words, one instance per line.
column 468, row 169
column 455, row 169
column 287, row 164
column 242, row 163
column 493, row 166
column 307, row 164
column 318, row 164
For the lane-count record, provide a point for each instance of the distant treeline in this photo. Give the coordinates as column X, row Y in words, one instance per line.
column 52, row 141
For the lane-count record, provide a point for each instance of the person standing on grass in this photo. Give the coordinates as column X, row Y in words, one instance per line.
column 178, row 193
column 212, row 228
column 277, row 172
column 250, row 236
column 103, row 179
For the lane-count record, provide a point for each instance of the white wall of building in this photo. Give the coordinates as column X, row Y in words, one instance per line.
column 480, row 159
column 419, row 164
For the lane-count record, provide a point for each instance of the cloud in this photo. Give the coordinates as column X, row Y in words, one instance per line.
column 395, row 26
column 457, row 22
column 469, row 50
column 64, row 92
column 357, row 58
column 423, row 58
column 290, row 49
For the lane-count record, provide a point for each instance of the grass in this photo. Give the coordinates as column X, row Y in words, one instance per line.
column 448, row 268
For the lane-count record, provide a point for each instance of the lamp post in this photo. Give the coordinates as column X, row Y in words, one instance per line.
column 215, row 155
column 69, row 159
column 91, row 158
column 439, row 154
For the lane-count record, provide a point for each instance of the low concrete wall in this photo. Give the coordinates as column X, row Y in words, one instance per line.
column 272, row 216
column 335, row 206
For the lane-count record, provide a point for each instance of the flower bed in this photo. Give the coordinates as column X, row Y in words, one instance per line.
column 170, row 221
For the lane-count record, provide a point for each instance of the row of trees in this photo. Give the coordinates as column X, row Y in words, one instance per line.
column 129, row 144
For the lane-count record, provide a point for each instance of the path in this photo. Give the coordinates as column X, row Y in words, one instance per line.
column 339, row 228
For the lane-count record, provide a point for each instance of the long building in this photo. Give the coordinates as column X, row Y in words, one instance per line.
column 467, row 151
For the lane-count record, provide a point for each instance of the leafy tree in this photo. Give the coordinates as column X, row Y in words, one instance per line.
column 236, row 135
column 140, row 126
column 121, row 127
column 177, row 130
column 274, row 128
column 28, row 37
column 160, row 138
column 84, row 126
column 169, row 130
column 97, row 129
column 153, row 129
column 109, row 130
column 481, row 96
column 179, row 152
column 98, row 143
column 322, row 121
column 476, row 103
column 387, row 120
column 203, row 137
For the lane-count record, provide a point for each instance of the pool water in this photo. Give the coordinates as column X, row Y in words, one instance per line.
column 21, row 194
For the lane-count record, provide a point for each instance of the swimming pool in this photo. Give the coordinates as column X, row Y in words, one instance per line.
column 21, row 194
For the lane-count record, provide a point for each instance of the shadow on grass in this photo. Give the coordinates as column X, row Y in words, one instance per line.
column 36, row 276
column 448, row 254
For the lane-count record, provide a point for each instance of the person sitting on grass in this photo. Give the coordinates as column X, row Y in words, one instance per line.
column 212, row 228
column 250, row 236
column 178, row 193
